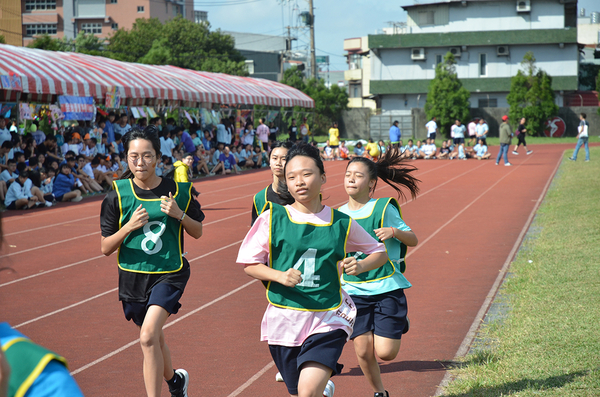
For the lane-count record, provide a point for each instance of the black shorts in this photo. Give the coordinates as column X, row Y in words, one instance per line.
column 521, row 138
column 242, row 163
column 265, row 145
column 458, row 141
column 325, row 348
column 273, row 137
column 163, row 295
column 384, row 314
column 432, row 136
column 334, row 146
column 12, row 206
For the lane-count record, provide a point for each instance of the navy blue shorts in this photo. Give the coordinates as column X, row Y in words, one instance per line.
column 458, row 141
column 432, row 136
column 384, row 314
column 163, row 295
column 325, row 348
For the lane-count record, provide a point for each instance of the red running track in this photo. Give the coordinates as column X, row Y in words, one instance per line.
column 63, row 295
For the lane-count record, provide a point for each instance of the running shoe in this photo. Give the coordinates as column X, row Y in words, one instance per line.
column 278, row 377
column 529, row 151
column 329, row 389
column 184, row 381
column 76, row 199
column 516, row 153
column 572, row 159
column 507, row 164
column 384, row 394
column 48, row 204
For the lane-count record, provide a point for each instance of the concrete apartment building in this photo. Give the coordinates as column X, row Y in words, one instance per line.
column 22, row 20
column 488, row 39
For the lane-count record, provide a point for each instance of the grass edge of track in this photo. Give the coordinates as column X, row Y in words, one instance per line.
column 540, row 336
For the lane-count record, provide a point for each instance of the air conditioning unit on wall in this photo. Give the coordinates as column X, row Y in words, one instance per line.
column 502, row 51
column 455, row 51
column 417, row 54
column 523, row 5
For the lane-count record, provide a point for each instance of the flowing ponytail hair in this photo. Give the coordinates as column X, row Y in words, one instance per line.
column 393, row 170
column 149, row 133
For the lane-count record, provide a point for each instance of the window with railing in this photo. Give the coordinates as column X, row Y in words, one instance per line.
column 33, row 30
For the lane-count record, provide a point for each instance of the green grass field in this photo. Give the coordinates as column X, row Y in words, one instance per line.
column 547, row 341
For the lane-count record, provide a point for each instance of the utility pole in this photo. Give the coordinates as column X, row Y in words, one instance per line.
column 313, row 59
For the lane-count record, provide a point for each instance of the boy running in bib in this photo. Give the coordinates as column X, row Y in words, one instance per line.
column 144, row 218
column 298, row 251
column 379, row 294
column 269, row 194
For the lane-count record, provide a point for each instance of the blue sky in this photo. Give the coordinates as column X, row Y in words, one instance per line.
column 335, row 20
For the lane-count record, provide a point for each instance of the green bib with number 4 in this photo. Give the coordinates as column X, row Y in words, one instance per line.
column 155, row 247
column 314, row 250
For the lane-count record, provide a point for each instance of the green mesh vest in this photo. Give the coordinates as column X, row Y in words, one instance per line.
column 27, row 361
column 260, row 201
column 156, row 247
column 315, row 250
column 370, row 223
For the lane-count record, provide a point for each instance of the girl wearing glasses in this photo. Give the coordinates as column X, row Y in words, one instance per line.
column 144, row 218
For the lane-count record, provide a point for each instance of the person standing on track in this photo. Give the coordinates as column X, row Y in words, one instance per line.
column 395, row 135
column 261, row 199
column 144, row 218
column 298, row 251
column 505, row 137
column 381, row 317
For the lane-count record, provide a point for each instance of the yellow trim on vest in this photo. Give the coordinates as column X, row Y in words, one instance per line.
column 22, row 390
column 13, row 341
column 266, row 202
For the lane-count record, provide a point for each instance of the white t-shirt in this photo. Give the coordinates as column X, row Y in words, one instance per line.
column 458, row 131
column 429, row 149
column 88, row 170
column 480, row 150
column 4, row 136
column 166, row 146
column 431, row 127
column 583, row 128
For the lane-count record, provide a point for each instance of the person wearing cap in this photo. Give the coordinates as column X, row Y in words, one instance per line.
column 432, row 129
column 395, row 134
column 505, row 135
column 73, row 143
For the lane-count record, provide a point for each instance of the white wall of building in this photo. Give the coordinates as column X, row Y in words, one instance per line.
column 395, row 64
column 475, row 16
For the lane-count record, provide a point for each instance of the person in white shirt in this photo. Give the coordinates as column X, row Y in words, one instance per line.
column 248, row 135
column 482, row 131
column 582, row 138
column 458, row 132
column 4, row 132
column 223, row 134
column 472, row 128
column 432, row 129
column 429, row 149
column 166, row 144
column 262, row 133
column 480, row 151
column 22, row 194
column 246, row 155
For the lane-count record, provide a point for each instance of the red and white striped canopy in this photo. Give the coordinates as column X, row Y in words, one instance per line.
column 47, row 74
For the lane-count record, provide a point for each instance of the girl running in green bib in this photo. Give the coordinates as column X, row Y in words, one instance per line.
column 299, row 251
column 144, row 218
column 379, row 294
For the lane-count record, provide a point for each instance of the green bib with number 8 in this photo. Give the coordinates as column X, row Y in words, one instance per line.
column 314, row 250
column 155, row 247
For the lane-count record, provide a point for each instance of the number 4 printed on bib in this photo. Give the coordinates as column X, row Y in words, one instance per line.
column 308, row 276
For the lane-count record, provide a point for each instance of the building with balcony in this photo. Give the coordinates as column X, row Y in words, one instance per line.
column 66, row 18
column 358, row 73
column 488, row 40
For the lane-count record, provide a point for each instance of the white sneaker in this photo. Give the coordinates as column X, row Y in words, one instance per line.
column 496, row 163
column 76, row 199
column 48, row 204
column 515, row 152
column 529, row 151
column 329, row 389
column 507, row 164
column 278, row 377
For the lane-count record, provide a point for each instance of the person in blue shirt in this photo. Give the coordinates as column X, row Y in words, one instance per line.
column 108, row 128
column 381, row 317
column 395, row 134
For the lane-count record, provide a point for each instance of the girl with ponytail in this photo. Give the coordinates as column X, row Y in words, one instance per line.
column 379, row 294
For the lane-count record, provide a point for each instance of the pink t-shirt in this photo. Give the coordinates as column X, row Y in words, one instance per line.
column 262, row 132
column 288, row 327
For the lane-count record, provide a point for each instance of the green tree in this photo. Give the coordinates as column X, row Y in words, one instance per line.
column 329, row 102
column 2, row 39
column 179, row 42
column 598, row 88
column 88, row 43
column 447, row 99
column 46, row 42
column 531, row 96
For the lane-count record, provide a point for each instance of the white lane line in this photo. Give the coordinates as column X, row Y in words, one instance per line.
column 52, row 270
column 52, row 225
column 253, row 379
column 49, row 245
column 217, row 250
column 124, row 347
column 472, row 333
column 65, row 308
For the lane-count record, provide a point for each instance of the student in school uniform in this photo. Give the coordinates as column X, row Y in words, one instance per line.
column 298, row 251
column 144, row 218
column 261, row 199
column 381, row 318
